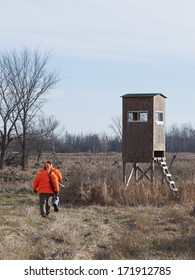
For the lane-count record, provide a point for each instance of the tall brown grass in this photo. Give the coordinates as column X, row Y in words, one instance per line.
column 97, row 179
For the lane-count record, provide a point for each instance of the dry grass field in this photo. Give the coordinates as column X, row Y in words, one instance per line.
column 99, row 218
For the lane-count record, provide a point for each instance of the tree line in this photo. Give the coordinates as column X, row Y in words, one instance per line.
column 180, row 138
column 46, row 138
column 93, row 142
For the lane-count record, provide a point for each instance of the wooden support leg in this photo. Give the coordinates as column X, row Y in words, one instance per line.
column 130, row 175
column 152, row 171
column 136, row 167
column 124, row 172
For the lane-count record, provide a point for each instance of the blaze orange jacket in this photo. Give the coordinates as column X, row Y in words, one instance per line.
column 42, row 183
column 57, row 173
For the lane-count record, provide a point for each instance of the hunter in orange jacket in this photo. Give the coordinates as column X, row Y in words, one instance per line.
column 42, row 185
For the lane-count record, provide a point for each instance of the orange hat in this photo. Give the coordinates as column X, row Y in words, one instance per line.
column 46, row 166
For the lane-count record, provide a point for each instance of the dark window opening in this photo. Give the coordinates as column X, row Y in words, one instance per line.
column 138, row 116
column 159, row 154
column 159, row 117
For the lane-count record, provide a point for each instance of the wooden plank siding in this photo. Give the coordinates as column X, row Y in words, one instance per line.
column 140, row 139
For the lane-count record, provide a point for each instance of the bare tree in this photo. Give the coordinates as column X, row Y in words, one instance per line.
column 8, row 110
column 116, row 126
column 30, row 79
column 43, row 134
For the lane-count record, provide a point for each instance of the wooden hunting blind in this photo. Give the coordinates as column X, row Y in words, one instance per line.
column 144, row 134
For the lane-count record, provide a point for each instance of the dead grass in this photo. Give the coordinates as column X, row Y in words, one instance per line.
column 95, row 232
column 99, row 218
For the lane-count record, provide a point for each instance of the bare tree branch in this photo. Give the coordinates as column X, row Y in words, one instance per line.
column 116, row 126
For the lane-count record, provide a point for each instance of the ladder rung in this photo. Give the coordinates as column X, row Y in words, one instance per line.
column 172, row 182
column 168, row 174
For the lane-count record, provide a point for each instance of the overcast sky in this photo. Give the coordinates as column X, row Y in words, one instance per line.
column 104, row 49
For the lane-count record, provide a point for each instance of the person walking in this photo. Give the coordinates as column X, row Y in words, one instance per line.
column 46, row 184
column 57, row 173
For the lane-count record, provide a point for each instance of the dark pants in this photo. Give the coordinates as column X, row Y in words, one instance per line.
column 44, row 202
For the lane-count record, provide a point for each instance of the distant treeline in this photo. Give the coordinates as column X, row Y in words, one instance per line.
column 73, row 143
column 180, row 138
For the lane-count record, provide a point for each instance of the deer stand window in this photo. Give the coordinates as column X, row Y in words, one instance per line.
column 137, row 116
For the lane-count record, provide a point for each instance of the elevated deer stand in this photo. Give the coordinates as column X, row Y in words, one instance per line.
column 144, row 137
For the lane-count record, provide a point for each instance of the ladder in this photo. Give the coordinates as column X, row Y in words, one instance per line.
column 167, row 176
